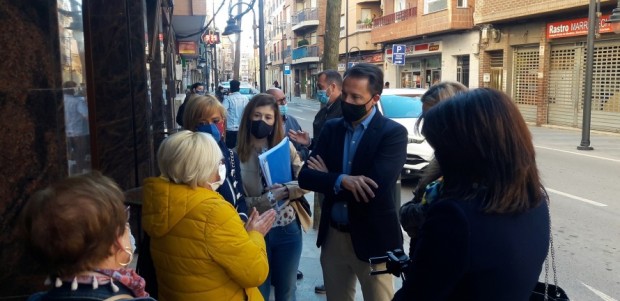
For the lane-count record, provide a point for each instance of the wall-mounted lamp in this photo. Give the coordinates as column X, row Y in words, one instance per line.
column 614, row 19
column 232, row 29
column 489, row 33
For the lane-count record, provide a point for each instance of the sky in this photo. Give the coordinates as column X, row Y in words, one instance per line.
column 246, row 22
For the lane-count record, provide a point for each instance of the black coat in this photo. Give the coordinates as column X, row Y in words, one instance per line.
column 323, row 115
column 466, row 254
column 380, row 156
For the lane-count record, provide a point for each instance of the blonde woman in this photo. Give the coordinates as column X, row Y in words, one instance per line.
column 200, row 247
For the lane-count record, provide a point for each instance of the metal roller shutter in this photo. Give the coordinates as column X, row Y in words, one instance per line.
column 565, row 73
column 566, row 86
column 526, row 62
column 606, row 87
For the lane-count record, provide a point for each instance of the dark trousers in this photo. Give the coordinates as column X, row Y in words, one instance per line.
column 231, row 139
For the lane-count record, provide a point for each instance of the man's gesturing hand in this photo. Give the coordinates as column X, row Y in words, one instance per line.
column 360, row 186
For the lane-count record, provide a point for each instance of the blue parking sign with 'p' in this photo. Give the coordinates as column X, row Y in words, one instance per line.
column 398, row 54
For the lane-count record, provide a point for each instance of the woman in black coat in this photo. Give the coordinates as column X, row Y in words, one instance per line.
column 487, row 234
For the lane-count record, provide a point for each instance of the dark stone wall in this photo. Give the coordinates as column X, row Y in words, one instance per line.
column 115, row 34
column 33, row 150
column 32, row 142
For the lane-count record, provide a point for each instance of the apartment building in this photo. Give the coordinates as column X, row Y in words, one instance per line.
column 439, row 38
column 356, row 24
column 536, row 53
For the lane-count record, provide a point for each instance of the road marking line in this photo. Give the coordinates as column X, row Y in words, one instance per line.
column 296, row 117
column 294, row 109
column 599, row 293
column 574, row 197
column 579, row 154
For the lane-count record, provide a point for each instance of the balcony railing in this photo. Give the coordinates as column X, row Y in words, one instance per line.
column 395, row 17
column 308, row 14
column 364, row 26
column 305, row 51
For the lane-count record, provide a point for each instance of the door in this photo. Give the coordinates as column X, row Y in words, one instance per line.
column 564, row 90
column 525, row 90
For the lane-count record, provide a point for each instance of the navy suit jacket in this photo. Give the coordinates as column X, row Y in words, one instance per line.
column 466, row 254
column 380, row 156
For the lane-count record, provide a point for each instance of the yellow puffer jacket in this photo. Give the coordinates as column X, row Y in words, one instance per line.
column 199, row 245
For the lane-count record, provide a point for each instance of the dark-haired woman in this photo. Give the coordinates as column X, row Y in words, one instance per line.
column 487, row 234
column 261, row 128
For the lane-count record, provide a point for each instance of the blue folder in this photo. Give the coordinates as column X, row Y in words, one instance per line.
column 276, row 163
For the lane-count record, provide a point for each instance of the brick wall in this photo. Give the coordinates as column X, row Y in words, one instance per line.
column 488, row 11
column 442, row 21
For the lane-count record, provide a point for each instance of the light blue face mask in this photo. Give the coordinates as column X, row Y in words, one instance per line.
column 322, row 96
column 283, row 109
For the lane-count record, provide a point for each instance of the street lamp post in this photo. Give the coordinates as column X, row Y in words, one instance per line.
column 233, row 28
column 614, row 20
column 587, row 96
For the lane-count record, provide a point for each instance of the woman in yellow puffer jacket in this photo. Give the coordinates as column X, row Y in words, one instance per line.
column 200, row 247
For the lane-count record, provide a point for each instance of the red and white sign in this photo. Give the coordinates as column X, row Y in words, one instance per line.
column 575, row 27
column 188, row 48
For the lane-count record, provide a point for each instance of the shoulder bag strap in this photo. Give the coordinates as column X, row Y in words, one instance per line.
column 552, row 251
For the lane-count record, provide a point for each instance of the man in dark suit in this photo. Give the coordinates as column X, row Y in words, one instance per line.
column 356, row 165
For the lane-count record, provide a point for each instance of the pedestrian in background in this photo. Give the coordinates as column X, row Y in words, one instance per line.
column 78, row 231
column 196, row 89
column 290, row 123
column 356, row 164
column 76, row 128
column 387, row 85
column 234, row 103
column 200, row 246
column 261, row 129
column 487, row 234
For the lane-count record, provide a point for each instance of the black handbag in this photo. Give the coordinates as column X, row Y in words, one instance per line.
column 543, row 291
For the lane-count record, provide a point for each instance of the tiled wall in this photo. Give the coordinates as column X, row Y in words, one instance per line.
column 493, row 10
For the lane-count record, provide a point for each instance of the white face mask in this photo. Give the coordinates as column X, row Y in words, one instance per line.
column 222, row 173
column 132, row 240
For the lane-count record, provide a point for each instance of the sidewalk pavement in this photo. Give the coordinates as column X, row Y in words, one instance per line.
column 304, row 101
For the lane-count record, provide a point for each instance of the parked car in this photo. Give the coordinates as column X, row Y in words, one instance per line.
column 245, row 89
column 404, row 106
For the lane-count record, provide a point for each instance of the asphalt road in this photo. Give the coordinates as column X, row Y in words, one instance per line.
column 585, row 205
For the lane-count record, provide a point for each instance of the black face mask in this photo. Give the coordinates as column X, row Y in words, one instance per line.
column 353, row 113
column 260, row 129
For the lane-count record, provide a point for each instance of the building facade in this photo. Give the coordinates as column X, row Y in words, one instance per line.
column 438, row 38
column 536, row 53
column 356, row 23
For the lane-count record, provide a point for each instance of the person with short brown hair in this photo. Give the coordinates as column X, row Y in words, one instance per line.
column 78, row 230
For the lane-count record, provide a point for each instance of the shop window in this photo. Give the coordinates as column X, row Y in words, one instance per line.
column 74, row 86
